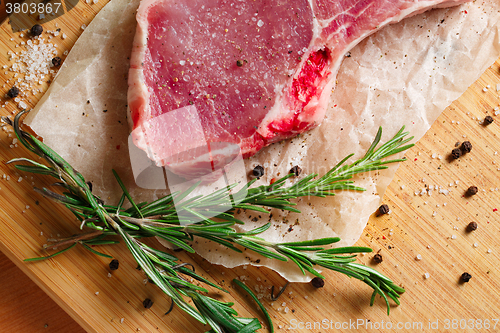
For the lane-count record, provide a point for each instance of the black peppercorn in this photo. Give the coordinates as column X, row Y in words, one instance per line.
column 56, row 61
column 377, row 258
column 13, row 92
column 147, row 303
column 488, row 120
column 466, row 147
column 318, row 282
column 472, row 191
column 113, row 265
column 456, row 153
column 36, row 30
column 239, row 63
column 296, row 170
column 258, row 171
column 471, row 226
column 465, row 277
column 383, row 209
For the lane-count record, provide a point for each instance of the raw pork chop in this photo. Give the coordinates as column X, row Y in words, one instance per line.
column 226, row 73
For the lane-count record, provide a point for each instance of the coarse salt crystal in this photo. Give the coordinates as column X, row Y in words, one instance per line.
column 402, row 187
column 428, row 246
column 418, row 257
column 453, row 237
column 498, row 86
column 109, row 275
column 485, row 89
column 476, row 244
column 434, row 213
column 122, row 320
column 83, row 26
column 20, row 179
column 427, row 275
column 96, row 293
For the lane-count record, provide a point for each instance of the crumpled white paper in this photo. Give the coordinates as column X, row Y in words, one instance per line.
column 405, row 74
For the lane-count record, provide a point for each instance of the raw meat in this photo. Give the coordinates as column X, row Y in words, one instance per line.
column 241, row 73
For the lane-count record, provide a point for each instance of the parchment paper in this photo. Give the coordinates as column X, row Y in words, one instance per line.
column 405, row 74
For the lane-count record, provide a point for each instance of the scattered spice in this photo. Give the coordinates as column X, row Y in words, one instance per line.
column 318, row 282
column 488, row 120
column 13, row 92
column 377, row 258
column 465, row 277
column 239, row 63
column 383, row 209
column 56, row 61
column 258, row 171
column 471, row 226
column 36, row 30
column 472, row 190
column 466, row 147
column 456, row 153
column 113, row 265
column 296, row 170
column 147, row 303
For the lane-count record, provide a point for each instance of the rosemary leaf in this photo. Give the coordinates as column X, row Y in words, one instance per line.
column 244, row 287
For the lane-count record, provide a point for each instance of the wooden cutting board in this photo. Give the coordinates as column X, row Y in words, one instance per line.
column 432, row 227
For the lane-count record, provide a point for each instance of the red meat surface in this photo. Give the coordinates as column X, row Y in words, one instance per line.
column 210, row 79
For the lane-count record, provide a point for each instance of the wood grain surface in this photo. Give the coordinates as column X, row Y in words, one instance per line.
column 430, row 226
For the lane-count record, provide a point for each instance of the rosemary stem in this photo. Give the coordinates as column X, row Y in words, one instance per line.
column 73, row 239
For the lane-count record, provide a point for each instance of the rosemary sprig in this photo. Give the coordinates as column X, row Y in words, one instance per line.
column 177, row 219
